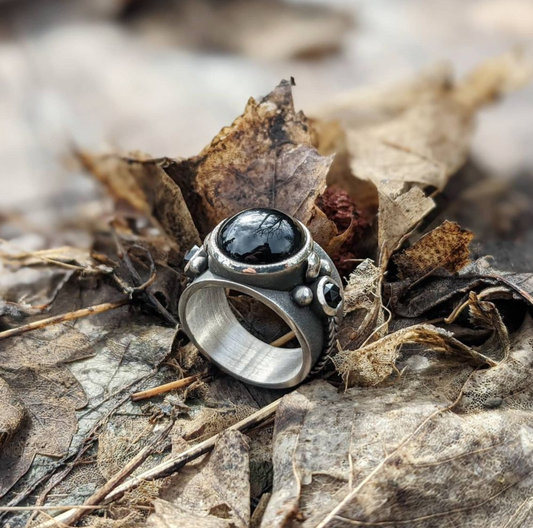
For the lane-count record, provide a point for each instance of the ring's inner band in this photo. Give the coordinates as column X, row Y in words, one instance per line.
column 222, row 337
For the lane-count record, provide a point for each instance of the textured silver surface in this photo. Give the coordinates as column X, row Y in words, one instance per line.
column 209, row 321
column 279, row 276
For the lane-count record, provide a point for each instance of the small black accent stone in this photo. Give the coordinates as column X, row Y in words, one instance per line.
column 332, row 294
column 260, row 236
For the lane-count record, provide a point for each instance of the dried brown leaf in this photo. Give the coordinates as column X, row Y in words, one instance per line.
column 108, row 354
column 141, row 183
column 264, row 159
column 444, row 445
column 372, row 364
column 283, row 505
column 484, row 314
column 421, row 133
column 425, row 145
column 445, row 247
column 32, row 368
column 363, row 310
column 322, row 228
column 213, row 492
column 399, row 213
column 77, row 259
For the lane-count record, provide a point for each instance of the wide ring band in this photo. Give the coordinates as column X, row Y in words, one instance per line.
column 209, row 321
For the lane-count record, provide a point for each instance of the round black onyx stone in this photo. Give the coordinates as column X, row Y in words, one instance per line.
column 332, row 294
column 260, row 236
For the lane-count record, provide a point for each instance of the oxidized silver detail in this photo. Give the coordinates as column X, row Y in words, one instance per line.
column 313, row 267
column 302, row 295
column 197, row 264
column 292, row 288
column 325, row 267
column 320, row 298
column 331, row 327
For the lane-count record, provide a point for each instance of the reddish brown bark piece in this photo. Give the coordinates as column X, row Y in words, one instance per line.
column 351, row 223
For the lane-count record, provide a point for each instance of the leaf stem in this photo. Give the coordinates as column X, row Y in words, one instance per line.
column 160, row 389
column 57, row 319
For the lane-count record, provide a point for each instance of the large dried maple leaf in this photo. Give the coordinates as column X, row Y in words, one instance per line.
column 444, row 445
column 34, row 380
column 214, row 493
column 264, row 159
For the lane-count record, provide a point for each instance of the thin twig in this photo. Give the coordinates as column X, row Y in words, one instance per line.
column 185, row 382
column 283, row 339
column 170, row 466
column 113, row 490
column 140, row 287
column 43, row 508
column 96, row 498
column 160, row 389
column 57, row 319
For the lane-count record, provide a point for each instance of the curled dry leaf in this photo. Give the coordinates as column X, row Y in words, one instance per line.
column 484, row 314
column 214, row 492
column 444, row 444
column 363, row 310
column 445, row 247
column 399, row 213
column 141, row 183
column 264, row 159
column 412, row 301
column 374, row 363
column 77, row 259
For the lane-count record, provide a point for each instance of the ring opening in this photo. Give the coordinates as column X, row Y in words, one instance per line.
column 218, row 332
column 260, row 320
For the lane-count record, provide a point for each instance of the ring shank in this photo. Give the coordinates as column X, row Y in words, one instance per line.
column 213, row 327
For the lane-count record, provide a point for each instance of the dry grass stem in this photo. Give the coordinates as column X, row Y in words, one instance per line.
column 156, row 391
column 63, row 318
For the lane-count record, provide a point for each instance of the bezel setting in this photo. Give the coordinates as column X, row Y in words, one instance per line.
column 321, row 298
column 279, row 274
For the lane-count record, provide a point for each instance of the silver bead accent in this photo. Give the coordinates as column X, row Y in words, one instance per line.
column 190, row 254
column 325, row 267
column 313, row 267
column 197, row 265
column 302, row 295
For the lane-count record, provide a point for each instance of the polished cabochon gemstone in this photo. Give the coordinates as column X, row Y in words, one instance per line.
column 260, row 236
column 332, row 294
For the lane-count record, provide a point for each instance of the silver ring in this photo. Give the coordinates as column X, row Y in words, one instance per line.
column 271, row 257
